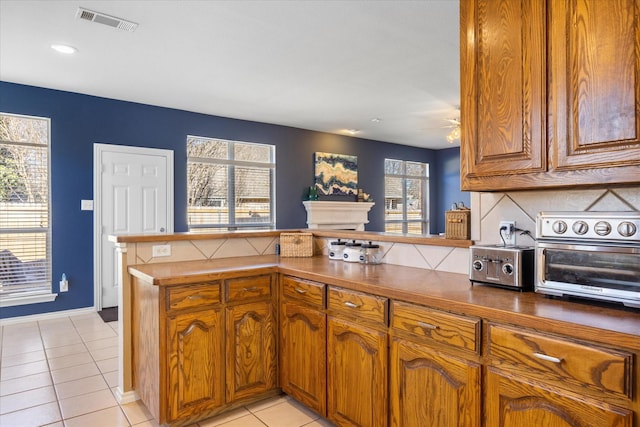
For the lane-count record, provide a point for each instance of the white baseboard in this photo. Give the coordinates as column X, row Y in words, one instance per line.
column 126, row 397
column 47, row 316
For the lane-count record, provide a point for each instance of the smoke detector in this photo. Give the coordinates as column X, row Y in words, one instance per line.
column 101, row 18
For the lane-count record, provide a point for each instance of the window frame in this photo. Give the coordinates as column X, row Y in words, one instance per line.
column 231, row 163
column 44, row 292
column 424, row 206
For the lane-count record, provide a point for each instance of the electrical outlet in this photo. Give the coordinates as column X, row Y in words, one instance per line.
column 64, row 286
column 508, row 233
column 161, row 250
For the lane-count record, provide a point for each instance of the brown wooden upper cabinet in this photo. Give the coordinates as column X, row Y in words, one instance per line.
column 550, row 93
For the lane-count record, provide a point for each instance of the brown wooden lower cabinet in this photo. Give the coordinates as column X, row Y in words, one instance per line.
column 303, row 355
column 251, row 350
column 181, row 334
column 432, row 388
column 363, row 360
column 515, row 401
column 357, row 374
column 195, row 363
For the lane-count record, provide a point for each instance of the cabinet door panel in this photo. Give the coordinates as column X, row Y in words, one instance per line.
column 251, row 350
column 503, row 82
column 429, row 388
column 515, row 403
column 303, row 355
column 195, row 363
column 357, row 375
column 594, row 58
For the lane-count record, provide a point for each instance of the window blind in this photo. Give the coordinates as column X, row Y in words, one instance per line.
column 230, row 185
column 25, row 232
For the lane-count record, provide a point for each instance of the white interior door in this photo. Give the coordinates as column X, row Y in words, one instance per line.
column 134, row 189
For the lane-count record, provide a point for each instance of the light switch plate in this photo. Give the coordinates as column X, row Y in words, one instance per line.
column 86, row 205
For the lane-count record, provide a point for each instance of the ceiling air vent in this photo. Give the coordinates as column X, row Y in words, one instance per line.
column 101, row 18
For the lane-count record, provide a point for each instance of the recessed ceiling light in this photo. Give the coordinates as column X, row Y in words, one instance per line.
column 376, row 120
column 63, row 48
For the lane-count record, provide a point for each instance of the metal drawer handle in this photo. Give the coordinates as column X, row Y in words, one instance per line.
column 547, row 358
column 195, row 297
column 301, row 291
column 427, row 325
column 350, row 304
column 251, row 289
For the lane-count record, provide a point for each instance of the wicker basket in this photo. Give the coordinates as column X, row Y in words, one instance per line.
column 296, row 244
column 458, row 224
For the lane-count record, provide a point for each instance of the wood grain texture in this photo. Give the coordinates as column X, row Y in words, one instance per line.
column 345, row 234
column 251, row 358
column 193, row 296
column 550, row 94
column 503, row 82
column 517, row 402
column 446, row 328
column 308, row 292
column 303, row 354
column 430, row 388
column 594, row 53
column 444, row 291
column 356, row 374
column 249, row 288
column 584, row 365
column 146, row 346
column 195, row 363
column 365, row 307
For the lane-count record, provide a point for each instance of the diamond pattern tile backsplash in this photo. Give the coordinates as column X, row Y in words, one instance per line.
column 488, row 209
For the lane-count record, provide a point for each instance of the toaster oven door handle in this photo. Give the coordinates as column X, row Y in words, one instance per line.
column 541, row 266
column 547, row 357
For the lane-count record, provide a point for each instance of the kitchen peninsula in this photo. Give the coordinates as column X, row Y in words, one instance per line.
column 298, row 325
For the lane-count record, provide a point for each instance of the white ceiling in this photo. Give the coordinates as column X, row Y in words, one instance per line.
column 325, row 65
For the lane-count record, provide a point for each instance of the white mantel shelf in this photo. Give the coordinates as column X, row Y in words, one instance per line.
column 337, row 215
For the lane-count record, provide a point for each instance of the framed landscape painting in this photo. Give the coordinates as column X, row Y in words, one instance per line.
column 336, row 174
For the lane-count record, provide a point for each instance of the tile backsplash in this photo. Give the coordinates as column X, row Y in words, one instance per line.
column 488, row 209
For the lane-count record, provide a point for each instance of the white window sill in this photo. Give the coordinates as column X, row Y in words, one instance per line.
column 24, row 299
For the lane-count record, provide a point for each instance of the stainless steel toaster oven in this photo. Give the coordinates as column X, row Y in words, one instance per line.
column 589, row 255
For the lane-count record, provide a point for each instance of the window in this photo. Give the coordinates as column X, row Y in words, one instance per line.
column 25, row 228
column 230, row 185
column 406, row 191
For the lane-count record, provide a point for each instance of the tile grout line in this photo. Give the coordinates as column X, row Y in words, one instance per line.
column 55, row 391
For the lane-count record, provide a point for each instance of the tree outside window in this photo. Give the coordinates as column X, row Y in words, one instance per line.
column 406, row 188
column 25, row 233
column 230, row 185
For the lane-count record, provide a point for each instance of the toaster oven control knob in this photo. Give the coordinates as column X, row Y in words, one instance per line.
column 580, row 227
column 627, row 229
column 507, row 269
column 477, row 265
column 602, row 228
column 559, row 227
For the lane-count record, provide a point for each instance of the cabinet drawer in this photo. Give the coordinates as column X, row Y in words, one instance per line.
column 247, row 288
column 556, row 358
column 358, row 304
column 189, row 296
column 303, row 290
column 446, row 328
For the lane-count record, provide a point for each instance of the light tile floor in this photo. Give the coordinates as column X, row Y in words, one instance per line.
column 63, row 373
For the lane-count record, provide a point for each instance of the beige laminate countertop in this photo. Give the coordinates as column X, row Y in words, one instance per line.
column 446, row 291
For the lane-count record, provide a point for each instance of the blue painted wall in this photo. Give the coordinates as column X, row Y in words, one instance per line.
column 78, row 121
column 448, row 186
